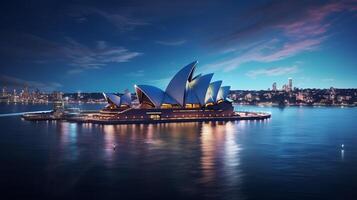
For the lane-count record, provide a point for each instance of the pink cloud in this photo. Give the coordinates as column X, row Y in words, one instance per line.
column 274, row 71
column 300, row 28
column 314, row 22
column 291, row 49
column 265, row 53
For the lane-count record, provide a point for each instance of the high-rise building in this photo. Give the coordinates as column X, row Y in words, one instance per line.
column 274, row 86
column 79, row 95
column 290, row 84
column 4, row 91
column 25, row 93
column 57, row 96
column 14, row 96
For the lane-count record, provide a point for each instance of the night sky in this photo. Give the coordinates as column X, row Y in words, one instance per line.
column 92, row 46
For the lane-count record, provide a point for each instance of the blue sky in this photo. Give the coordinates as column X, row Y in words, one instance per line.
column 96, row 46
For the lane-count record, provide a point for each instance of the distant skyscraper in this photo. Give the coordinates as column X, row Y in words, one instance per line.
column 290, row 84
column 4, row 91
column 57, row 96
column 26, row 93
column 274, row 86
column 284, row 87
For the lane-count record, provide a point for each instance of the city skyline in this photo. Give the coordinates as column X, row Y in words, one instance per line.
column 284, row 86
column 109, row 47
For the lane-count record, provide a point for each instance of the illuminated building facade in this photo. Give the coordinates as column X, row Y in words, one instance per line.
column 186, row 96
column 184, row 91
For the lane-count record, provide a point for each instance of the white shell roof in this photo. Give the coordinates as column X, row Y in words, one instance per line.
column 112, row 99
column 212, row 92
column 126, row 98
column 169, row 100
column 177, row 86
column 156, row 95
column 200, row 87
column 223, row 92
column 183, row 89
column 190, row 95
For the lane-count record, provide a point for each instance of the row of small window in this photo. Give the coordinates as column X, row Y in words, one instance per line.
column 159, row 116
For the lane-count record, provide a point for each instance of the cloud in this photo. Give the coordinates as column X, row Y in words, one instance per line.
column 21, row 46
column 81, row 68
column 81, row 20
column 274, row 71
column 292, row 18
column 123, row 22
column 10, row 81
column 172, row 43
column 314, row 23
column 102, row 44
column 268, row 51
column 300, row 26
column 81, row 57
column 138, row 73
column 289, row 49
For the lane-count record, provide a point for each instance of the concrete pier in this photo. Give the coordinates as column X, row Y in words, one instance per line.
column 90, row 118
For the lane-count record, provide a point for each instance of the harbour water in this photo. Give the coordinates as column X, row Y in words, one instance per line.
column 296, row 154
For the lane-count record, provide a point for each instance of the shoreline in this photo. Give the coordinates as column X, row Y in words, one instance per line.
column 295, row 105
column 88, row 119
column 235, row 104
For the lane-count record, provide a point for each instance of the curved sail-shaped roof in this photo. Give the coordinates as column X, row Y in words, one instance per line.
column 105, row 96
column 190, row 96
column 212, row 92
column 126, row 98
column 112, row 99
column 201, row 86
column 196, row 89
column 154, row 94
column 177, row 86
column 168, row 100
column 223, row 92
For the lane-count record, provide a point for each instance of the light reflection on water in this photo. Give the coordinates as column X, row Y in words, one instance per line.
column 218, row 144
column 208, row 149
column 109, row 142
column 231, row 155
column 342, row 154
column 293, row 154
column 220, row 157
column 68, row 139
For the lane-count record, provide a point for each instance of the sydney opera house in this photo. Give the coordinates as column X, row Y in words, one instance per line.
column 184, row 91
column 187, row 96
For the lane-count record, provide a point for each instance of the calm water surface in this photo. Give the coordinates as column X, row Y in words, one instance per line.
column 294, row 155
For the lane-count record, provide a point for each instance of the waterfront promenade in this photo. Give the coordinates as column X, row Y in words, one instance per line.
column 94, row 118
